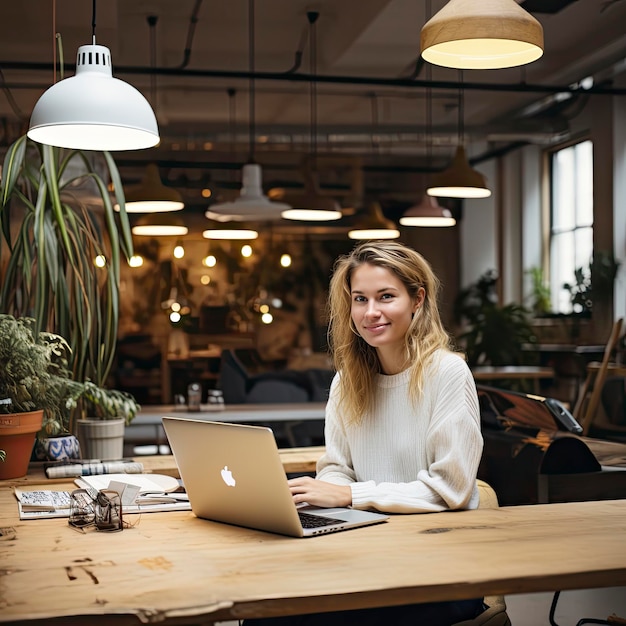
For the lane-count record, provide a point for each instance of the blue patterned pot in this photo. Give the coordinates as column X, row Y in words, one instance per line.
column 61, row 448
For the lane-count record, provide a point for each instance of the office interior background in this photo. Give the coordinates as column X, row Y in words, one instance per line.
column 334, row 95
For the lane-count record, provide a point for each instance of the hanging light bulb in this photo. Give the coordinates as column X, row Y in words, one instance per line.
column 488, row 34
column 179, row 250
column 92, row 110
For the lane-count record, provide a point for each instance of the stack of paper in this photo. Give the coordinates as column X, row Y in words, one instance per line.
column 140, row 493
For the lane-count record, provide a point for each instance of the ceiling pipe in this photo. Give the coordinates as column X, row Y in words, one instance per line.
column 345, row 80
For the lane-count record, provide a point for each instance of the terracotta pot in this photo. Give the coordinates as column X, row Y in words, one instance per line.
column 17, row 436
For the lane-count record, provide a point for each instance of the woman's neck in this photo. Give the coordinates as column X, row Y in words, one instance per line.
column 392, row 361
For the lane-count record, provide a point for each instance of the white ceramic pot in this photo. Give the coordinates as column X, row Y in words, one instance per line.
column 101, row 439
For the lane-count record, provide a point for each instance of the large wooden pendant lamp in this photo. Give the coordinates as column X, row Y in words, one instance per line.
column 481, row 35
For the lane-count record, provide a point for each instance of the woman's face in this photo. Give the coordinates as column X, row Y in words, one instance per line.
column 381, row 307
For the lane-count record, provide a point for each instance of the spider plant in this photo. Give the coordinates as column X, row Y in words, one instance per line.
column 49, row 243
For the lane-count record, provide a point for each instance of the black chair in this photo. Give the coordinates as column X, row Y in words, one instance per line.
column 239, row 386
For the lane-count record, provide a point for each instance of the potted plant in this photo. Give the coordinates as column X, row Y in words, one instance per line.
column 56, row 219
column 36, row 390
column 491, row 334
column 103, row 415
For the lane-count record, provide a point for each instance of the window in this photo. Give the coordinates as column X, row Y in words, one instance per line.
column 571, row 220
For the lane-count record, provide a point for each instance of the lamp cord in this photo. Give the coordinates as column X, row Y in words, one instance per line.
column 251, row 100
column 93, row 22
column 461, row 109
column 312, row 17
column 429, row 99
column 152, row 22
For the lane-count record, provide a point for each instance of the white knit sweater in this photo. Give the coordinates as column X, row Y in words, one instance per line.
column 406, row 458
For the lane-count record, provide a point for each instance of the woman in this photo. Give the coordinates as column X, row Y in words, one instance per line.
column 402, row 420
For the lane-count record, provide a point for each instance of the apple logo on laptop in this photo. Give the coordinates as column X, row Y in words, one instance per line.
column 227, row 477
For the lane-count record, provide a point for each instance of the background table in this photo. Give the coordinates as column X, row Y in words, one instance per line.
column 147, row 426
column 513, row 372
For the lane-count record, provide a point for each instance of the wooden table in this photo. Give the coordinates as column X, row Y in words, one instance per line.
column 174, row 568
column 147, row 427
column 512, row 372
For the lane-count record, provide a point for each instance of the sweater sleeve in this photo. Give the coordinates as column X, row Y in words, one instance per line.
column 335, row 466
column 453, row 450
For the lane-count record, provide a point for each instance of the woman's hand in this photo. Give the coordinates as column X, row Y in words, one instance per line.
column 319, row 493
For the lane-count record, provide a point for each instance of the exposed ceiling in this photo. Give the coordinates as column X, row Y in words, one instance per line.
column 193, row 65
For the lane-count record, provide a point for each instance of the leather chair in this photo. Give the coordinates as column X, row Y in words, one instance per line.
column 495, row 613
column 239, row 386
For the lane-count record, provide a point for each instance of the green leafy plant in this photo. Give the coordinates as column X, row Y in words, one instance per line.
column 52, row 239
column 492, row 334
column 107, row 403
column 593, row 282
column 540, row 294
column 34, row 374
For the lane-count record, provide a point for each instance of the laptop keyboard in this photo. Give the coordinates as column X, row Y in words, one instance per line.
column 316, row 521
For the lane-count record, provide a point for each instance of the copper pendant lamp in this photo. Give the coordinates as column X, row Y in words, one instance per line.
column 312, row 205
column 459, row 180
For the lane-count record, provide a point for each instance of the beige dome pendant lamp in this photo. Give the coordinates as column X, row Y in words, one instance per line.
column 92, row 110
column 151, row 195
column 481, row 35
column 159, row 225
column 459, row 180
column 312, row 205
column 373, row 225
column 252, row 203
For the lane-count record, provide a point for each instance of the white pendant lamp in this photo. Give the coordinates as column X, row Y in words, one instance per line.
column 481, row 35
column 151, row 195
column 374, row 225
column 252, row 203
column 92, row 110
column 460, row 180
column 427, row 213
column 312, row 206
column 159, row 225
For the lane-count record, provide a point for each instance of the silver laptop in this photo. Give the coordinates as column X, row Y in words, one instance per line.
column 233, row 474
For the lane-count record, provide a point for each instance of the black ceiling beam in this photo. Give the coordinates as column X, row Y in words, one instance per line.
column 369, row 81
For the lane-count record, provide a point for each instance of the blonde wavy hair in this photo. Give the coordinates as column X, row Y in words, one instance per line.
column 353, row 357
